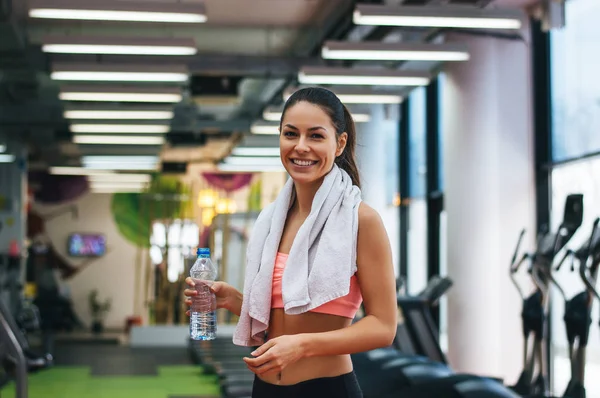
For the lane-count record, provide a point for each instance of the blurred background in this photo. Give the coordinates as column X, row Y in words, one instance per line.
column 134, row 131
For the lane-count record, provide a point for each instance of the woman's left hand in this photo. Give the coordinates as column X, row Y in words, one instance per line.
column 276, row 354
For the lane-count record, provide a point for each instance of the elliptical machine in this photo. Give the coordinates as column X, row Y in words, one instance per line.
column 535, row 306
column 578, row 310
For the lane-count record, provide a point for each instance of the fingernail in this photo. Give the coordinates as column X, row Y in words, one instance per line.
column 253, row 352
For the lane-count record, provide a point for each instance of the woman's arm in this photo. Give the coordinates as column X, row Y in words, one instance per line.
column 378, row 287
column 377, row 329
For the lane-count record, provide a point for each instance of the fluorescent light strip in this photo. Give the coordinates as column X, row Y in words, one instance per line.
column 117, row 49
column 264, row 129
column 79, row 171
column 116, row 189
column 121, row 115
column 120, row 128
column 120, row 97
column 139, row 178
column 370, row 98
column 360, row 117
column 370, row 80
column 114, row 166
column 119, row 76
column 249, row 168
column 255, row 151
column 118, row 140
column 7, row 158
column 392, row 51
column 272, row 116
column 111, row 13
column 436, row 17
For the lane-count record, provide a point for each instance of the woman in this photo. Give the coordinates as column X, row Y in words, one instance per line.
column 306, row 349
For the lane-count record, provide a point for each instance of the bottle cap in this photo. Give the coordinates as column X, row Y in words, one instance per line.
column 203, row 251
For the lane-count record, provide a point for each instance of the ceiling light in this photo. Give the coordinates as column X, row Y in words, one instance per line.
column 78, row 171
column 361, row 117
column 122, row 115
column 436, row 17
column 111, row 190
column 270, row 129
column 2, row 147
column 255, row 151
column 119, row 45
column 349, row 76
column 120, row 94
column 249, row 168
column 393, row 51
column 357, row 96
column 118, row 11
column 271, row 115
column 119, row 128
column 7, row 158
column 118, row 140
column 119, row 73
column 120, row 177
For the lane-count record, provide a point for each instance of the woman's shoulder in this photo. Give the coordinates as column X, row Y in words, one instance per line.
column 368, row 217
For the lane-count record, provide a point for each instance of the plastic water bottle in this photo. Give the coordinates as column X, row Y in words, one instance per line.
column 203, row 319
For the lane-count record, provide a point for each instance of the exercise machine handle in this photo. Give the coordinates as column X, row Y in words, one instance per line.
column 516, row 253
column 567, row 254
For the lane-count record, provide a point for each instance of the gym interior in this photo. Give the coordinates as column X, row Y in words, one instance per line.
column 134, row 131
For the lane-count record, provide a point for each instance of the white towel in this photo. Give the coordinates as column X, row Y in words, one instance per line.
column 321, row 261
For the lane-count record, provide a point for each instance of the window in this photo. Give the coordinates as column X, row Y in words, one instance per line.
column 575, row 61
column 417, row 231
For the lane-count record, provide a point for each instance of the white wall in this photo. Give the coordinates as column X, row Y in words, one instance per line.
column 488, row 167
column 113, row 274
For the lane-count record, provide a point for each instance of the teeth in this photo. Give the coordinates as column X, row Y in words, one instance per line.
column 303, row 162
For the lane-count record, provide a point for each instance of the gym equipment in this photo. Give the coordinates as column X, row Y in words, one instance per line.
column 578, row 310
column 419, row 323
column 10, row 350
column 535, row 306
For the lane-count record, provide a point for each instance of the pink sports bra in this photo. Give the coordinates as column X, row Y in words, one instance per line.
column 345, row 306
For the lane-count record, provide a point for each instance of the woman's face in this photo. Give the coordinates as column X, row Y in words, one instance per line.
column 308, row 143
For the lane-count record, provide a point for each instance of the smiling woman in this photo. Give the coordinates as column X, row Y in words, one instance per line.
column 314, row 256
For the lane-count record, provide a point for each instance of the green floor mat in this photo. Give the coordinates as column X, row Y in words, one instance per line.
column 77, row 382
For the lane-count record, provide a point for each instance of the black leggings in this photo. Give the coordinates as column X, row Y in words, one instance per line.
column 343, row 386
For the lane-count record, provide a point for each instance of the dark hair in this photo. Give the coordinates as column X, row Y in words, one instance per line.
column 341, row 119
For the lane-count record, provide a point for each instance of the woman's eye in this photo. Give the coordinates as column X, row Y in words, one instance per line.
column 317, row 136
column 289, row 133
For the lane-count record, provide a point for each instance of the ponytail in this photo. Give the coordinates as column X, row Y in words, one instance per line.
column 347, row 160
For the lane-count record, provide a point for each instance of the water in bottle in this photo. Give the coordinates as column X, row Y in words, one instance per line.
column 203, row 316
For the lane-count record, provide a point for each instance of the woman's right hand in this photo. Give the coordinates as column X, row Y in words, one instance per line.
column 224, row 292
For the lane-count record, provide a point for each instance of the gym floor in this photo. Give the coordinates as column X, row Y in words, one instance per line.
column 103, row 370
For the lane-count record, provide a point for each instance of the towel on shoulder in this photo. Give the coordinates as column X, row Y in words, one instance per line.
column 321, row 261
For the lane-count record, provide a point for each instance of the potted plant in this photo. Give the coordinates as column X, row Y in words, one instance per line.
column 99, row 310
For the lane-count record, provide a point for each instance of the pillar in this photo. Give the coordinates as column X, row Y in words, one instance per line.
column 489, row 198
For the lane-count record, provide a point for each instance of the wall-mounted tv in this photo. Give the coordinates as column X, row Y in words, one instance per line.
column 86, row 245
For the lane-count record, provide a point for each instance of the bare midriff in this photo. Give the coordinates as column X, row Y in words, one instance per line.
column 307, row 368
